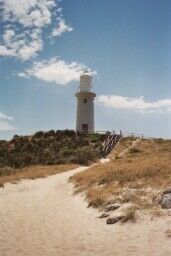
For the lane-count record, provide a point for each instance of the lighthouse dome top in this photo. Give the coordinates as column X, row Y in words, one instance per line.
column 85, row 81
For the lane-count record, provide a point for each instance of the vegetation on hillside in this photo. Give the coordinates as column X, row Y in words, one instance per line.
column 48, row 148
column 137, row 177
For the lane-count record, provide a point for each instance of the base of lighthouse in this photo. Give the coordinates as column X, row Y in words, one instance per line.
column 85, row 111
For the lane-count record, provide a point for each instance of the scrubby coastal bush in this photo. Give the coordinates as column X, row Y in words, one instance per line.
column 49, row 148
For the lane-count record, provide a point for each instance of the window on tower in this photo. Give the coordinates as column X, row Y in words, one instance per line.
column 85, row 100
column 85, row 127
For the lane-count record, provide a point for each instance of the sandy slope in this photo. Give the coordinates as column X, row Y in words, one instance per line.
column 41, row 217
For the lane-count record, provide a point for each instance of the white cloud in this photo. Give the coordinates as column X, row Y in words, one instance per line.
column 22, row 46
column 28, row 13
column 5, row 124
column 56, row 70
column 62, row 28
column 135, row 104
column 30, row 50
column 23, row 75
column 22, row 23
column 4, row 117
column 6, row 52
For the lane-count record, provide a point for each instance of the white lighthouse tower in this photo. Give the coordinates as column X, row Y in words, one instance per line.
column 85, row 104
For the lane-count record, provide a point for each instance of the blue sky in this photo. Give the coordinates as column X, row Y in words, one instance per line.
column 45, row 45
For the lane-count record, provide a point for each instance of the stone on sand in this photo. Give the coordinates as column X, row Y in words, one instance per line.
column 114, row 219
column 104, row 215
column 167, row 191
column 166, row 201
column 112, row 207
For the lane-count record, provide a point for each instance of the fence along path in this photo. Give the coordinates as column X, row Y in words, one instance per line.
column 112, row 140
column 108, row 144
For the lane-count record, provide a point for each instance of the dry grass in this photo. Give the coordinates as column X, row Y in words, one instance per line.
column 34, row 172
column 121, row 146
column 157, row 212
column 137, row 177
column 130, row 214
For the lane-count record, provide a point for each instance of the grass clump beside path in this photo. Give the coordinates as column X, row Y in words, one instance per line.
column 136, row 178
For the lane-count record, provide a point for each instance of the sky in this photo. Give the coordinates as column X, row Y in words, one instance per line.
column 46, row 44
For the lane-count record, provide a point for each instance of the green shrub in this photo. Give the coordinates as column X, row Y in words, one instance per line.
column 38, row 134
column 85, row 155
column 47, row 148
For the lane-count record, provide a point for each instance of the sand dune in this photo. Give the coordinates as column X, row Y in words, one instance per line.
column 42, row 217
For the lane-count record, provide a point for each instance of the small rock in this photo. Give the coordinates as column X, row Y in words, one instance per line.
column 166, row 201
column 104, row 215
column 167, row 191
column 113, row 220
column 112, row 207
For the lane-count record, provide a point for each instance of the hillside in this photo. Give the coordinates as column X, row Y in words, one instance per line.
column 43, row 212
column 137, row 174
column 47, row 149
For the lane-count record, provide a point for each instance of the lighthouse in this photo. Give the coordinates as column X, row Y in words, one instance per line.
column 85, row 104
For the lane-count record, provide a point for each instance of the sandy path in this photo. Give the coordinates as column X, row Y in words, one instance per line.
column 134, row 143
column 41, row 217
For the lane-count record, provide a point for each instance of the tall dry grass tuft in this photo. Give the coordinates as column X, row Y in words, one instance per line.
column 130, row 214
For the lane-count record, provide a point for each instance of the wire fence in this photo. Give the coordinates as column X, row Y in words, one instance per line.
column 124, row 134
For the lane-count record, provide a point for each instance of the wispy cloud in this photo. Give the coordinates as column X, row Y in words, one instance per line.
column 55, row 70
column 135, row 104
column 4, row 117
column 21, row 74
column 22, row 23
column 5, row 123
column 62, row 28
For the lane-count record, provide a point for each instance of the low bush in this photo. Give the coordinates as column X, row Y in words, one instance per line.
column 85, row 155
column 49, row 148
